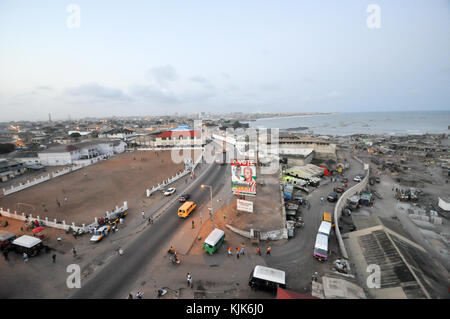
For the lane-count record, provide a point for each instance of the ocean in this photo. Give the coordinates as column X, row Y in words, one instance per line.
column 385, row 123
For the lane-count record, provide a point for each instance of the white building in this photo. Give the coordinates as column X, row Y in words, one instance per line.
column 182, row 135
column 68, row 154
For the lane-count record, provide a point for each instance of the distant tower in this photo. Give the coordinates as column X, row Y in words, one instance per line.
column 49, row 117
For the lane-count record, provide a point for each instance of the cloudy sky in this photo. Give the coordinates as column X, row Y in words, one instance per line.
column 160, row 57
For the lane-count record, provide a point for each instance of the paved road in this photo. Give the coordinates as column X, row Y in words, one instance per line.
column 296, row 256
column 116, row 278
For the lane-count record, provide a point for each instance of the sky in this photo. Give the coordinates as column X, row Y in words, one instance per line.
column 137, row 58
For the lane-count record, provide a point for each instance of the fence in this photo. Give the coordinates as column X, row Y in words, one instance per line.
column 56, row 224
column 341, row 202
column 172, row 179
column 80, row 164
column 21, row 186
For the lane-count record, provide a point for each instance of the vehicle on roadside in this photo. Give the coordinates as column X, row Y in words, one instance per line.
column 325, row 228
column 184, row 198
column 186, row 209
column 170, row 191
column 339, row 189
column 214, row 241
column 357, row 179
column 332, row 197
column 100, row 233
column 27, row 244
column 377, row 179
column 6, row 238
column 321, row 247
column 266, row 278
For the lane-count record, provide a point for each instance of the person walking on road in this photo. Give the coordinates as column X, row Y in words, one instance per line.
column 189, row 280
column 74, row 252
column 25, row 257
column 139, row 295
column 258, row 251
column 230, row 251
column 238, row 252
column 143, row 215
column 5, row 254
column 242, row 249
column 193, row 225
column 54, row 258
column 268, row 250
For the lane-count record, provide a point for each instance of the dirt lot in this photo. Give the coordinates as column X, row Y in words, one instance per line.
column 91, row 191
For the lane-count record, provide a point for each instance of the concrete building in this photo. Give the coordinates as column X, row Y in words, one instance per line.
column 10, row 169
column 68, row 154
column 122, row 133
column 323, row 150
column 182, row 135
column 297, row 156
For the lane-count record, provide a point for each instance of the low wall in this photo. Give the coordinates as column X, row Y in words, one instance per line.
column 341, row 202
column 21, row 186
column 172, row 179
column 56, row 224
column 80, row 164
column 165, row 148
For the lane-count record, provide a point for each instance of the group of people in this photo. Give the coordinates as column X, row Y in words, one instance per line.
column 240, row 250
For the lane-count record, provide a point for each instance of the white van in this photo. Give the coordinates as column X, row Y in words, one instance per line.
column 325, row 228
column 267, row 278
column 321, row 247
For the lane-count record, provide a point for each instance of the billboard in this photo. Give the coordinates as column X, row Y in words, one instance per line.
column 243, row 177
column 244, row 205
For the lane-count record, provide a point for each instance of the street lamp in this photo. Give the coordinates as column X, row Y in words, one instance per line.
column 210, row 193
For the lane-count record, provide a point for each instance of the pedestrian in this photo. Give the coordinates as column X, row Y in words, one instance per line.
column 5, row 254
column 230, row 251
column 193, row 225
column 258, row 251
column 242, row 249
column 224, row 216
column 74, row 252
column 238, row 250
column 54, row 258
column 143, row 215
column 189, row 280
column 268, row 250
column 139, row 295
column 25, row 257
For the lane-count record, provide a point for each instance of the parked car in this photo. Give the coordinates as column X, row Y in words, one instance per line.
column 339, row 189
column 357, row 179
column 184, row 198
column 332, row 197
column 170, row 191
column 6, row 238
column 100, row 233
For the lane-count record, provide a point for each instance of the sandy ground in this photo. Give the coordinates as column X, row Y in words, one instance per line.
column 91, row 191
